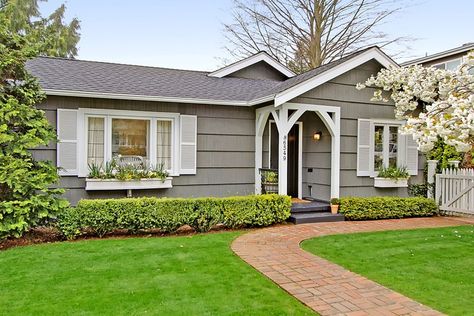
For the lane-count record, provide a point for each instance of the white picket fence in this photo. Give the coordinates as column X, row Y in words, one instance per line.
column 455, row 190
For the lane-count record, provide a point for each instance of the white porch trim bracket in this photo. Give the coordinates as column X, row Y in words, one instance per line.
column 330, row 116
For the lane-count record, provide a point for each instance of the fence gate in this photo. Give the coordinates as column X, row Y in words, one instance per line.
column 455, row 190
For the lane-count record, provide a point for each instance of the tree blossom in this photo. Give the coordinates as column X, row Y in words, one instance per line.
column 434, row 102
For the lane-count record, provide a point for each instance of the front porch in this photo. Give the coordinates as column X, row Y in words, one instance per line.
column 289, row 148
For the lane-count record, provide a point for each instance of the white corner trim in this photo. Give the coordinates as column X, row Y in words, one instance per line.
column 119, row 96
column 249, row 61
column 295, row 91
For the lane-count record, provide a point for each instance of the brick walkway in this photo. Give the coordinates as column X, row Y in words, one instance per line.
column 326, row 287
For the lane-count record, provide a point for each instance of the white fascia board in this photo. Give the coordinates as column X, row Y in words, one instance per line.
column 102, row 95
column 244, row 63
column 299, row 89
column 444, row 54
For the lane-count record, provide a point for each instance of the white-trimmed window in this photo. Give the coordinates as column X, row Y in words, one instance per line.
column 98, row 135
column 385, row 146
column 450, row 65
column 149, row 138
column 380, row 145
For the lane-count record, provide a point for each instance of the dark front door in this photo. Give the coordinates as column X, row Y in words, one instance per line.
column 293, row 150
column 293, row 143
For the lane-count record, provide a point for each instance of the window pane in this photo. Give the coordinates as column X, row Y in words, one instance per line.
column 452, row 65
column 393, row 146
column 440, row 66
column 378, row 147
column 95, row 140
column 130, row 138
column 163, row 144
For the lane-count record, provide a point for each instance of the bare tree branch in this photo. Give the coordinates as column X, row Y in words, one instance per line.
column 307, row 33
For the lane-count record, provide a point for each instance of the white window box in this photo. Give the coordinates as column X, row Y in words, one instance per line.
column 115, row 184
column 390, row 183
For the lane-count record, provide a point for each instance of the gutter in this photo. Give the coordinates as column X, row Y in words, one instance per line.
column 102, row 95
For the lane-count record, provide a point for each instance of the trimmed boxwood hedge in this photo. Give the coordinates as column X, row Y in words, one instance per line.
column 103, row 216
column 361, row 208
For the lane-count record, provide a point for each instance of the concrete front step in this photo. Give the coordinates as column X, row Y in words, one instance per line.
column 314, row 206
column 315, row 217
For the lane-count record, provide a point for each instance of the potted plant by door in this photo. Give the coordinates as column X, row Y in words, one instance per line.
column 335, row 205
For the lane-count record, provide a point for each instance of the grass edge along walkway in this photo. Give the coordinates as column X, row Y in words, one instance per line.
column 324, row 286
column 190, row 275
column 432, row 266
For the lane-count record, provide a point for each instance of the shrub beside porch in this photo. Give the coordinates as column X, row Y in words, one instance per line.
column 369, row 208
column 168, row 214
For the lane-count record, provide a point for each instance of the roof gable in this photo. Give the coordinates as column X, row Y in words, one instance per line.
column 251, row 61
column 304, row 82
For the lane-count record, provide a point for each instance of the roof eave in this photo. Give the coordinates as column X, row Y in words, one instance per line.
column 440, row 55
column 118, row 96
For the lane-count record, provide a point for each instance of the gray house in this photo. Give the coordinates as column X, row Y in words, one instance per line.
column 214, row 131
column 449, row 59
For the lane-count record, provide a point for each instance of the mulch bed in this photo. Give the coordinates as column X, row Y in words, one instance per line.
column 42, row 235
column 38, row 235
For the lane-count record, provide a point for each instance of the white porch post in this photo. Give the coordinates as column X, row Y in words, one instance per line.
column 260, row 121
column 336, row 154
column 258, row 164
column 283, row 151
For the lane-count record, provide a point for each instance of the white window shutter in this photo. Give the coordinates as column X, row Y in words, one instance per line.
column 411, row 155
column 67, row 146
column 188, row 144
column 364, row 159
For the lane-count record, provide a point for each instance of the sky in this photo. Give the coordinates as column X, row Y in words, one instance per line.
column 188, row 34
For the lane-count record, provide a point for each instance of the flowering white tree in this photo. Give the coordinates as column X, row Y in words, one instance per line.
column 435, row 103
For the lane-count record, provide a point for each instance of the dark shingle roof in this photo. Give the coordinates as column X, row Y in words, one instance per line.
column 101, row 77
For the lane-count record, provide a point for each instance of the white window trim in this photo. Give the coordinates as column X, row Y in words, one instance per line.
column 153, row 117
column 445, row 63
column 400, row 149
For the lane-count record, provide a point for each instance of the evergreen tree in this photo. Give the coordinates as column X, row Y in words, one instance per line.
column 25, row 194
column 52, row 35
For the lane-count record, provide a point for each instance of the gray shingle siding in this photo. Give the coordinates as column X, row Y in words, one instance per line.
column 225, row 148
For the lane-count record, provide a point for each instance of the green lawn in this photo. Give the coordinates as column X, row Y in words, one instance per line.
column 432, row 266
column 197, row 275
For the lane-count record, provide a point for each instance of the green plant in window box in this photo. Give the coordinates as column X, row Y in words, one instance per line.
column 95, row 171
column 127, row 172
column 109, row 169
column 392, row 177
column 158, row 172
column 393, row 173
